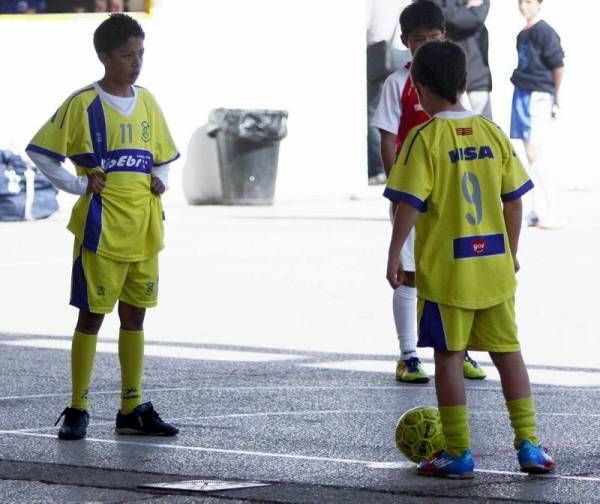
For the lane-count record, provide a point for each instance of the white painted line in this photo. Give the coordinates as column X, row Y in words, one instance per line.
column 400, row 388
column 211, row 417
column 564, row 377
column 371, row 464
column 174, row 352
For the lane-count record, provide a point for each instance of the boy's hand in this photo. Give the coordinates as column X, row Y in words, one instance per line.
column 156, row 186
column 516, row 263
column 96, row 181
column 395, row 272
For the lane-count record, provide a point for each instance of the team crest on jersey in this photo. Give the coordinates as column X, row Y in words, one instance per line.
column 464, row 131
column 145, row 131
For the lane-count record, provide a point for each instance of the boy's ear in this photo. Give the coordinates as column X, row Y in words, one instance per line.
column 404, row 40
column 103, row 57
column 421, row 90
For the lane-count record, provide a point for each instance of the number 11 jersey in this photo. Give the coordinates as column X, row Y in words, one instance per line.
column 124, row 221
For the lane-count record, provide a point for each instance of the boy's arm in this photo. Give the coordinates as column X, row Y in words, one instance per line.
column 388, row 150
column 558, row 76
column 404, row 220
column 56, row 173
column 513, row 215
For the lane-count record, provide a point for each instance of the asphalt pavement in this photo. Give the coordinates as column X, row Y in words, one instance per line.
column 273, row 351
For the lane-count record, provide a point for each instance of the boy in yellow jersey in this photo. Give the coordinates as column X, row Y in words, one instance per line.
column 115, row 134
column 459, row 182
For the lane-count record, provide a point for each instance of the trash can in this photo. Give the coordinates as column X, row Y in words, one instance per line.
column 248, row 151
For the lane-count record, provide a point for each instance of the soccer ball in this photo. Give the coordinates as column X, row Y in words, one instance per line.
column 419, row 433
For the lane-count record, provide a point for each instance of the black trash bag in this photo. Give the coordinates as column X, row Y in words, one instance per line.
column 14, row 205
column 253, row 125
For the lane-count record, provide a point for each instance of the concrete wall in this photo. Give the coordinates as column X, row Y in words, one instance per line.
column 306, row 57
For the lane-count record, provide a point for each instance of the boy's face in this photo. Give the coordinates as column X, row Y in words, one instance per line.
column 123, row 64
column 529, row 8
column 418, row 37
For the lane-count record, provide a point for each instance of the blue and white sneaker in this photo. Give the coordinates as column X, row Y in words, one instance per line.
column 444, row 465
column 535, row 459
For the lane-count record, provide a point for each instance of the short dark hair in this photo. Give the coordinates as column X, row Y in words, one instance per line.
column 116, row 31
column 442, row 67
column 421, row 14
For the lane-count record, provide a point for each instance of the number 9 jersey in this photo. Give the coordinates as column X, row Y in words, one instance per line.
column 124, row 221
column 457, row 169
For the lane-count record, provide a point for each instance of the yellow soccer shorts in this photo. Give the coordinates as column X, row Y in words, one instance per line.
column 452, row 328
column 97, row 282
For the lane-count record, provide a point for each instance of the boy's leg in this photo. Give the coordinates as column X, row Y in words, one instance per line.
column 83, row 351
column 533, row 457
column 409, row 368
column 404, row 302
column 131, row 355
column 452, row 402
column 517, row 393
column 456, row 460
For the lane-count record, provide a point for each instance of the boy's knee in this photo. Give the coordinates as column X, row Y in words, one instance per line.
column 132, row 317
column 89, row 323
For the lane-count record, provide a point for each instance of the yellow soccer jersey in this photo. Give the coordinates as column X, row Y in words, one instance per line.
column 124, row 222
column 457, row 169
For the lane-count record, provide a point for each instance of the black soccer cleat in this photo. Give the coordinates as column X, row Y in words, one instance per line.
column 144, row 421
column 74, row 425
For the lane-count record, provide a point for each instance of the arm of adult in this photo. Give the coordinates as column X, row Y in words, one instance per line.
column 404, row 220
column 465, row 20
column 513, row 214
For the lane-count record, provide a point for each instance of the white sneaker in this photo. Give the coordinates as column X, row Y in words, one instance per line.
column 378, row 179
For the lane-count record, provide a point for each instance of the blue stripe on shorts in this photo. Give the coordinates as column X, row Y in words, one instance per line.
column 431, row 327
column 520, row 119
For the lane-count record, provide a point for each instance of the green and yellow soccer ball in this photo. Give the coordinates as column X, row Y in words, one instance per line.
column 419, row 433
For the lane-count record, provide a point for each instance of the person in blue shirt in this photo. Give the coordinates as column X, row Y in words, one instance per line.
column 537, row 80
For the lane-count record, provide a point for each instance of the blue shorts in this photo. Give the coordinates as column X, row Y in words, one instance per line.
column 531, row 115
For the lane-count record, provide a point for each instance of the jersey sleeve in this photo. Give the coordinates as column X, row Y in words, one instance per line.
column 65, row 134
column 515, row 180
column 164, row 150
column 411, row 178
column 388, row 112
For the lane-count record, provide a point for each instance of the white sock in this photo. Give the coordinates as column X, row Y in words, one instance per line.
column 405, row 317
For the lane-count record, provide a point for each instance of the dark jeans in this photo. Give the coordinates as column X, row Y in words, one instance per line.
column 375, row 166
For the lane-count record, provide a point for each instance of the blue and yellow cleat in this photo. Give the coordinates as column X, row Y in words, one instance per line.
column 411, row 371
column 472, row 370
column 444, row 465
column 535, row 459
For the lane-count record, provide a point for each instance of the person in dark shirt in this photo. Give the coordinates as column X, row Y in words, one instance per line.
column 537, row 80
column 465, row 25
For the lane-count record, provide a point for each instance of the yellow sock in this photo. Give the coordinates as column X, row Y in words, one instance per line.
column 131, row 356
column 455, row 425
column 83, row 351
column 522, row 419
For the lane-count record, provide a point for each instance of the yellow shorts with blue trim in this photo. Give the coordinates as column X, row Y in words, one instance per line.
column 97, row 283
column 452, row 328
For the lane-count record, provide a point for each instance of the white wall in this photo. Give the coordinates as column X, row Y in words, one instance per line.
column 306, row 57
